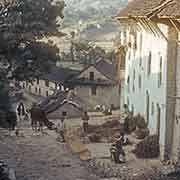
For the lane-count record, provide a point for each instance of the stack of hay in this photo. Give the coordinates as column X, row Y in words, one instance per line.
column 148, row 148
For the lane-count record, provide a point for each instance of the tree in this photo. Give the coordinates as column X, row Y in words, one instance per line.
column 88, row 53
column 22, row 24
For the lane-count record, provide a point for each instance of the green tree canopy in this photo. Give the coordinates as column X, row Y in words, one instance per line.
column 22, row 23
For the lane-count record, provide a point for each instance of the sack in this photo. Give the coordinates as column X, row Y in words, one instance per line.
column 122, row 158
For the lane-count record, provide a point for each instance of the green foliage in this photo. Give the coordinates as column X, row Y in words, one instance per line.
column 22, row 23
column 87, row 53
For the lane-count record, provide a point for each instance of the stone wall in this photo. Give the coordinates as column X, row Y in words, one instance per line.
column 105, row 95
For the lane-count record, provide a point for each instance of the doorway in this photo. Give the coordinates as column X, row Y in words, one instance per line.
column 158, row 120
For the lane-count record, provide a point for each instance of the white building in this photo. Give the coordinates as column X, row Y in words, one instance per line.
column 97, row 85
column 150, row 39
column 48, row 84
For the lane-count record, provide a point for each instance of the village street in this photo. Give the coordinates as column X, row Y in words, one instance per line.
column 40, row 157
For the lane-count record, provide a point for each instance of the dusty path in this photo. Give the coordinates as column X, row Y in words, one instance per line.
column 40, row 157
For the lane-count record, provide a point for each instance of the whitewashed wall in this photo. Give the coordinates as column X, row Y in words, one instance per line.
column 34, row 87
column 176, row 133
column 104, row 95
column 137, row 60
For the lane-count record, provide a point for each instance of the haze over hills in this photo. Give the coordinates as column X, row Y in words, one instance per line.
column 88, row 10
column 93, row 18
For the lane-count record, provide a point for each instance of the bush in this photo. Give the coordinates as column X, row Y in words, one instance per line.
column 148, row 148
column 140, row 122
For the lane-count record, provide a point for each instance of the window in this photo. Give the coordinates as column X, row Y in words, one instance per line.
column 160, row 72
column 140, row 61
column 140, row 81
column 134, row 74
column 37, row 80
column 128, row 101
column 129, row 55
column 147, row 106
column 152, row 108
column 93, row 90
column 140, row 43
column 128, row 83
column 132, row 109
column 91, row 76
column 39, row 91
column 134, row 77
column 47, row 93
column 149, row 64
column 56, row 86
column 36, row 90
column 47, row 83
column 133, row 88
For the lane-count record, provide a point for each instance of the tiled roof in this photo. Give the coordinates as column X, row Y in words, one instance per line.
column 7, row 3
column 172, row 10
column 60, row 75
column 146, row 8
column 56, row 101
column 106, row 69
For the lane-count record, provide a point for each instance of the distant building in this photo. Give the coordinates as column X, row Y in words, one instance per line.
column 61, row 102
column 97, row 84
column 48, row 84
column 151, row 38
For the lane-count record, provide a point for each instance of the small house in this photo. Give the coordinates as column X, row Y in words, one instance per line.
column 97, row 84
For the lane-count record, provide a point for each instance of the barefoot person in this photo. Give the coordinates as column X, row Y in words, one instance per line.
column 85, row 119
column 61, row 127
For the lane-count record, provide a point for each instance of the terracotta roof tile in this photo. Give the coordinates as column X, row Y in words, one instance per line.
column 139, row 8
column 172, row 10
column 144, row 8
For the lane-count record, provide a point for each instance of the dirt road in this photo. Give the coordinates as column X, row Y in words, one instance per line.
column 40, row 157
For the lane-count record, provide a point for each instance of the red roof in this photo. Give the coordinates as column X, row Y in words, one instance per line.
column 146, row 8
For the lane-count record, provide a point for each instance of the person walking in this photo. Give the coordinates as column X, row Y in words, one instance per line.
column 61, row 127
column 21, row 111
column 11, row 120
column 85, row 119
column 120, row 151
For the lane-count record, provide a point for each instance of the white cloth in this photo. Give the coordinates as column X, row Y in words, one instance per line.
column 61, row 126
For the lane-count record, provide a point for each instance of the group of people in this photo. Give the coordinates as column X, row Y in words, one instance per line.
column 116, row 149
column 16, row 119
